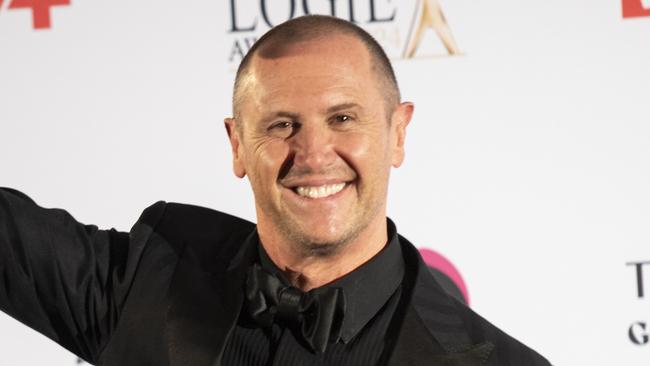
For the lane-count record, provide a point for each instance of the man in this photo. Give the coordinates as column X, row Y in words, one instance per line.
column 323, row 278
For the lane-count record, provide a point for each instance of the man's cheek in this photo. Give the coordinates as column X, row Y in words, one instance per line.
column 369, row 155
column 273, row 155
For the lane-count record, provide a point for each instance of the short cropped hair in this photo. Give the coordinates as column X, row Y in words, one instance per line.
column 311, row 27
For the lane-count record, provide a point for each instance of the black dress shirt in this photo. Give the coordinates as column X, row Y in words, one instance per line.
column 371, row 296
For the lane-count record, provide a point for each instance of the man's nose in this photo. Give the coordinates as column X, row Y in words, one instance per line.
column 313, row 147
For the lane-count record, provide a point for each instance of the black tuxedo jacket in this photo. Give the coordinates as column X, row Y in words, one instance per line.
column 169, row 292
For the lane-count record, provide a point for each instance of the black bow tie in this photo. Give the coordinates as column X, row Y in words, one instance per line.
column 317, row 315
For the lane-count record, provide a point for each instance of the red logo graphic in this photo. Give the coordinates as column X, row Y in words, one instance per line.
column 636, row 8
column 40, row 10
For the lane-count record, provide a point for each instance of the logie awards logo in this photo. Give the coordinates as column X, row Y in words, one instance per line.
column 405, row 29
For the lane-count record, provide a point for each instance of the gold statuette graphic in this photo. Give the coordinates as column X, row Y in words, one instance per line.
column 430, row 16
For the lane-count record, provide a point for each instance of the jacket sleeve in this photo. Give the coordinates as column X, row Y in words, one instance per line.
column 65, row 279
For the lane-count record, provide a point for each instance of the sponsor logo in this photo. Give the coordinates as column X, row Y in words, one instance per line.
column 41, row 10
column 438, row 262
column 636, row 8
column 638, row 332
column 639, row 276
column 405, row 29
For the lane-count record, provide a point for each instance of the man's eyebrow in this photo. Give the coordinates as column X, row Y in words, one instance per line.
column 284, row 114
column 342, row 106
column 296, row 116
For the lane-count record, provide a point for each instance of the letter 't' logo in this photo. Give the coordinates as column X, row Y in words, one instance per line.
column 636, row 8
column 40, row 10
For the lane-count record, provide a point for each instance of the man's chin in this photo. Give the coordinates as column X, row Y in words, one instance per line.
column 322, row 249
column 317, row 236
column 312, row 244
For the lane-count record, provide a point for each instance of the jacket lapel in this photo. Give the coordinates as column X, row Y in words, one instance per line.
column 205, row 306
column 415, row 348
column 431, row 331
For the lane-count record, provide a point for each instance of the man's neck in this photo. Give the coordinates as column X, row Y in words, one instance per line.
column 311, row 271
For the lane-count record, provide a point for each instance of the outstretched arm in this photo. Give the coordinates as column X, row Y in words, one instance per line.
column 62, row 278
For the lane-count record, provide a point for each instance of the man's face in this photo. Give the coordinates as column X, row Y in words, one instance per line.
column 317, row 142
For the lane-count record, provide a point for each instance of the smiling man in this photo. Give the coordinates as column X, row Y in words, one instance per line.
column 316, row 130
column 322, row 279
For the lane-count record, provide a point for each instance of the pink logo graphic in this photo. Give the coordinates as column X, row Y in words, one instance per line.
column 437, row 261
column 636, row 8
column 40, row 10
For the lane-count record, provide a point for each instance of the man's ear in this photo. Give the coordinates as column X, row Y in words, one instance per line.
column 400, row 120
column 233, row 136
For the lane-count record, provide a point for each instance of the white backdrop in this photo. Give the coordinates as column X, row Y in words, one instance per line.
column 528, row 160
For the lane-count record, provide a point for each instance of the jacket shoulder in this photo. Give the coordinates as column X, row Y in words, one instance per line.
column 209, row 232
column 454, row 324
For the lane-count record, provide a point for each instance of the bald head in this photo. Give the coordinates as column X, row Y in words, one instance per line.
column 282, row 39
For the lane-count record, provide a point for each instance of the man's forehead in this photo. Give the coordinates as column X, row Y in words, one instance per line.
column 332, row 50
column 282, row 47
column 323, row 70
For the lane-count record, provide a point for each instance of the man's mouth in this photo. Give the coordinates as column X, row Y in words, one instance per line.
column 322, row 191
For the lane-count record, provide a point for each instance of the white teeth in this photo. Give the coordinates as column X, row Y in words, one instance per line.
column 320, row 191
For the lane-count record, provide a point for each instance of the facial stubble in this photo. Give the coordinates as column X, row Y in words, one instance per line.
column 308, row 246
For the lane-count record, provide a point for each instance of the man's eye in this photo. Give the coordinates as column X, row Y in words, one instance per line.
column 282, row 125
column 341, row 118
column 283, row 129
